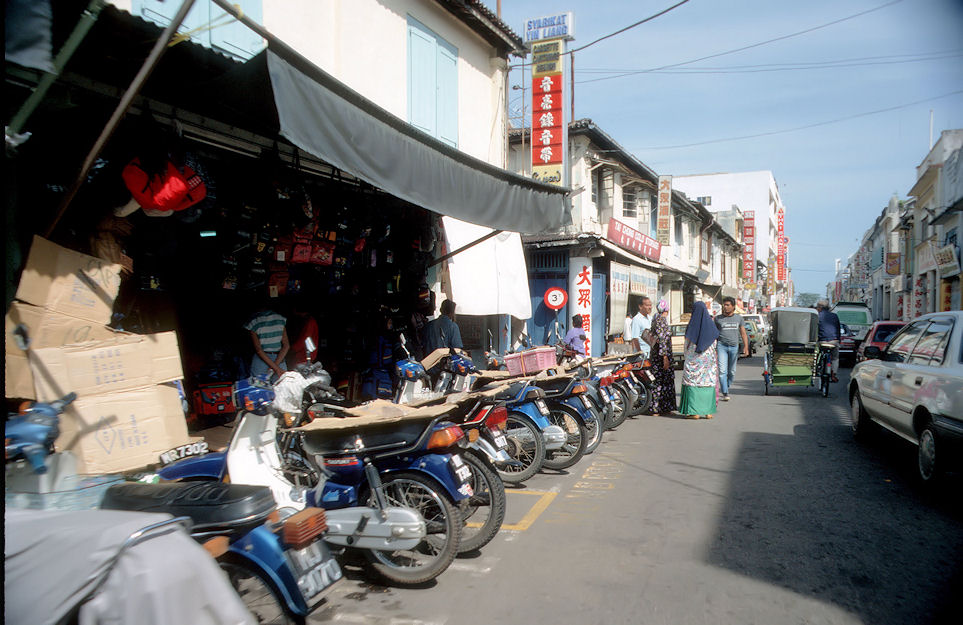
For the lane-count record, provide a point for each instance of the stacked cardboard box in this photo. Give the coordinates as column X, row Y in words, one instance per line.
column 127, row 412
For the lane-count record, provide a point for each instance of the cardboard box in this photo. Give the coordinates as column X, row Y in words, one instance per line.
column 69, row 282
column 99, row 367
column 45, row 329
column 123, row 431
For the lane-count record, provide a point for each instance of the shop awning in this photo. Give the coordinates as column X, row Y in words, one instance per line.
column 329, row 120
column 489, row 278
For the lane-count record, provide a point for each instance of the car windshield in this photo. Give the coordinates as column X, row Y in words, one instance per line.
column 884, row 333
column 858, row 317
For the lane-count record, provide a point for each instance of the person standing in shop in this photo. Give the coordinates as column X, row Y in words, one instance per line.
column 443, row 332
column 640, row 323
column 575, row 339
column 732, row 330
column 271, row 344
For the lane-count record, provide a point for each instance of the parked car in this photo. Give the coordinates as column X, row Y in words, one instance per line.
column 847, row 345
column 678, row 343
column 879, row 335
column 762, row 324
column 752, row 331
column 857, row 316
column 914, row 388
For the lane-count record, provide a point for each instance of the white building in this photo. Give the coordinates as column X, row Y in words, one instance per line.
column 754, row 191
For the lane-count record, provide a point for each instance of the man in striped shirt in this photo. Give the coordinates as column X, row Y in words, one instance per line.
column 270, row 343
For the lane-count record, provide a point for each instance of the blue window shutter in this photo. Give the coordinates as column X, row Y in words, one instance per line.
column 421, row 77
column 447, row 94
column 234, row 37
column 161, row 13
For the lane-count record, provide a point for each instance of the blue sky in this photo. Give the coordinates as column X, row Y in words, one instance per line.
column 834, row 179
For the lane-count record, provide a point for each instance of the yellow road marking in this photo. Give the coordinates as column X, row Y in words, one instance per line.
column 544, row 499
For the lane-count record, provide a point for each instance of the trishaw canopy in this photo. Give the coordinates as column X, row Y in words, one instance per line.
column 794, row 325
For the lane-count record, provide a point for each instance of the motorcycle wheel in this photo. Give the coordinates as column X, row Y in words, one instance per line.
column 434, row 554
column 258, row 595
column 485, row 511
column 644, row 402
column 594, row 429
column 573, row 450
column 526, row 445
column 621, row 402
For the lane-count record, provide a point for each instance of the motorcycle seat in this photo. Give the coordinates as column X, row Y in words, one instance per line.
column 399, row 435
column 209, row 504
column 556, row 386
column 510, row 392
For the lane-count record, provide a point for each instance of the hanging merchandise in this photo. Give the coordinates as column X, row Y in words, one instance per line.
column 278, row 283
column 174, row 189
column 322, row 253
column 301, row 253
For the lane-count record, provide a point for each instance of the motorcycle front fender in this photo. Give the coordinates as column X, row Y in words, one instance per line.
column 209, row 466
column 436, row 466
column 261, row 549
column 530, row 410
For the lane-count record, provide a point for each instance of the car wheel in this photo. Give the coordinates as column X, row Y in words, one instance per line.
column 929, row 461
column 860, row 419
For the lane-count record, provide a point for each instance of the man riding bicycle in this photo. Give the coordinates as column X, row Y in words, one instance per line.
column 829, row 332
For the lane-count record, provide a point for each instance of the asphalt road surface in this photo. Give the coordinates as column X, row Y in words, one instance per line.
column 769, row 513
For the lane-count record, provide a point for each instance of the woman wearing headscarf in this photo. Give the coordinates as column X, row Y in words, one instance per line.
column 701, row 368
column 663, row 391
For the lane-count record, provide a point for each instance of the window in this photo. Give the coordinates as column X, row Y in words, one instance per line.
column 432, row 83
column 902, row 344
column 629, row 202
column 931, row 347
column 706, row 248
column 594, row 174
column 654, row 220
column 705, row 200
column 693, row 237
column 230, row 36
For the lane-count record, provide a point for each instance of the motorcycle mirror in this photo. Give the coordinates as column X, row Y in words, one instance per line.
column 309, row 345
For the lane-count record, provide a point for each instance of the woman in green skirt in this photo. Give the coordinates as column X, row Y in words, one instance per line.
column 701, row 367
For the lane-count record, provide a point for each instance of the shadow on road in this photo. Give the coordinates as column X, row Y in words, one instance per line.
column 821, row 515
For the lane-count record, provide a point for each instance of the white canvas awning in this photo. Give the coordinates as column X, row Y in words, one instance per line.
column 490, row 278
column 329, row 120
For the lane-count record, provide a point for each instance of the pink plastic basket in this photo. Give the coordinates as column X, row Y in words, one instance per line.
column 538, row 359
column 514, row 363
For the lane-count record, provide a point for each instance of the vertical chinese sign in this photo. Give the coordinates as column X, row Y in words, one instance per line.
column 547, row 36
column 771, row 276
column 664, row 224
column 580, row 294
column 781, row 245
column 749, row 247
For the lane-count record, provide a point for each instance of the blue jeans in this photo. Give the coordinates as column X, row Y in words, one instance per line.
column 259, row 367
column 728, row 357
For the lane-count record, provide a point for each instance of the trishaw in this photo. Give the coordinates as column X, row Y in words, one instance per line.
column 795, row 356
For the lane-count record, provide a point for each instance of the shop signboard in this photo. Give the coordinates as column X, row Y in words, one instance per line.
column 549, row 130
column 892, row 264
column 947, row 261
column 554, row 26
column 580, row 288
column 946, row 295
column 620, row 277
column 644, row 282
column 925, row 260
column 664, row 223
column 632, row 240
column 771, row 276
column 749, row 246
column 781, row 244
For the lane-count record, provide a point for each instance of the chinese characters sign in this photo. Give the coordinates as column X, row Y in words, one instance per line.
column 892, row 263
column 580, row 294
column 781, row 244
column 664, row 224
column 619, row 277
column 749, row 246
column 548, row 127
column 633, row 240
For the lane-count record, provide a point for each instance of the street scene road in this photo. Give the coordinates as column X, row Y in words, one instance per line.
column 768, row 513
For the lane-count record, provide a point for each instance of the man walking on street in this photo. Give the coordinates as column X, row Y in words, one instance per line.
column 641, row 322
column 829, row 332
column 731, row 329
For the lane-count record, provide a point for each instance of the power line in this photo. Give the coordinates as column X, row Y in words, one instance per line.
column 777, row 67
column 743, row 48
column 618, row 32
column 823, row 123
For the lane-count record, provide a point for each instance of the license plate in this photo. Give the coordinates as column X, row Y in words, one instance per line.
column 315, row 569
column 462, row 472
column 586, row 402
column 193, row 449
column 542, row 408
column 500, row 441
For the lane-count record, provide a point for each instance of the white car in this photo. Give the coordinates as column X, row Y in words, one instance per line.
column 914, row 388
column 857, row 316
